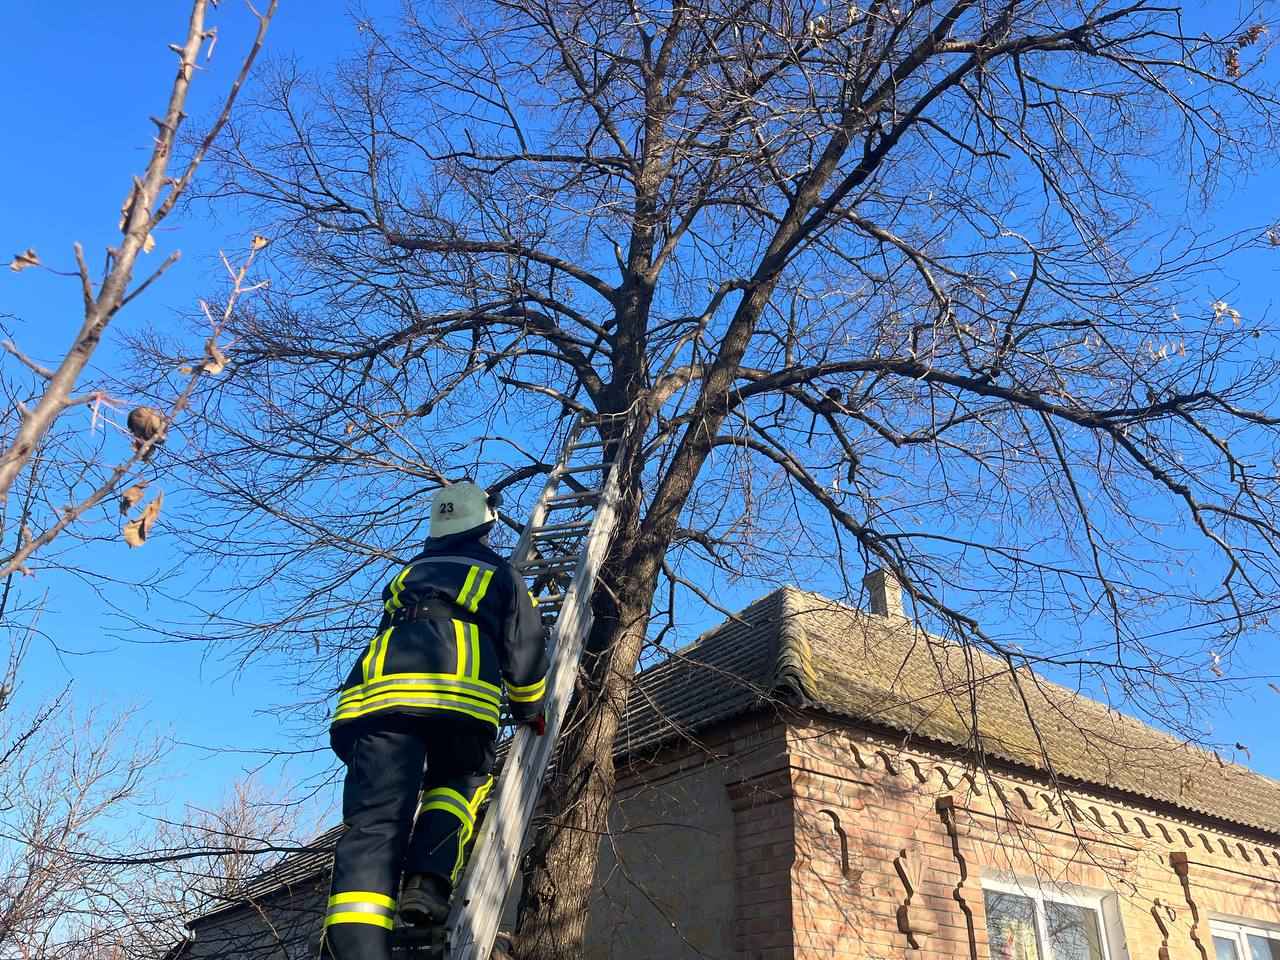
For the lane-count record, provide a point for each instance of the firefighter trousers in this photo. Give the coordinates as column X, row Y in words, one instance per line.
column 401, row 820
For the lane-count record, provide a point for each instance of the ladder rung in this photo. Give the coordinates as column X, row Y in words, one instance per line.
column 583, row 525
column 550, row 563
column 584, row 468
column 566, row 536
column 555, row 549
column 551, row 600
column 590, row 444
column 577, row 497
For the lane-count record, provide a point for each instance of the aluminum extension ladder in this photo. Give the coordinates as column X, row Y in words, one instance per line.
column 566, row 538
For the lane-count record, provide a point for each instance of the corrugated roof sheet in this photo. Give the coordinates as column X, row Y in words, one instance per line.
column 805, row 648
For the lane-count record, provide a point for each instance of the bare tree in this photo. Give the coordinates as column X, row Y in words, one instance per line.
column 30, row 442
column 87, row 870
column 882, row 283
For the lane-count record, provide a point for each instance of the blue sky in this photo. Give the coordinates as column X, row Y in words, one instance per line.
column 81, row 80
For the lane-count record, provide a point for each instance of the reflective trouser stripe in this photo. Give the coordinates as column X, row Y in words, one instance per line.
column 361, row 906
column 453, row 802
column 450, row 801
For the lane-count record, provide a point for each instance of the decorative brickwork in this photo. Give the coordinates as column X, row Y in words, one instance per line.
column 1166, row 875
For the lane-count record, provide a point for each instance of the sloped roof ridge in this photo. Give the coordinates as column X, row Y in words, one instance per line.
column 793, row 660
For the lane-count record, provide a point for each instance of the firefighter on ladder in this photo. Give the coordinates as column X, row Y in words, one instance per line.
column 458, row 625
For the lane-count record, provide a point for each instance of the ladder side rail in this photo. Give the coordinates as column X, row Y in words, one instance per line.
column 477, row 911
column 538, row 515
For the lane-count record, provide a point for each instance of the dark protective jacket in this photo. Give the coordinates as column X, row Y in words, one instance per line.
column 458, row 625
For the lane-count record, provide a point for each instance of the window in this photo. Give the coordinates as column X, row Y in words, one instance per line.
column 1025, row 923
column 1241, row 941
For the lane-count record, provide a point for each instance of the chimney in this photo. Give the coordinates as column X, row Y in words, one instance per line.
column 884, row 592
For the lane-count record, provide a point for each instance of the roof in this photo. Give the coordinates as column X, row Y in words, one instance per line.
column 884, row 672
column 291, row 871
column 807, row 650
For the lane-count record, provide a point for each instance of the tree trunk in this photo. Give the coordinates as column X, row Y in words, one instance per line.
column 566, row 847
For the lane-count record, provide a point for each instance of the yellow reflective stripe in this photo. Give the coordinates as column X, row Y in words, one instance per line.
column 459, row 862
column 466, row 586
column 471, row 708
column 478, row 701
column 533, row 598
column 361, row 906
column 422, row 683
column 481, row 590
column 477, row 713
column 473, row 633
column 393, row 603
column 526, row 694
column 363, row 896
column 380, row 661
column 481, row 792
column 488, row 706
column 367, row 663
column 473, row 805
column 460, row 639
column 372, row 919
column 464, row 831
column 450, row 801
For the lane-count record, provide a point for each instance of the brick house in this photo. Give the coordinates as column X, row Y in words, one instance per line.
column 800, row 782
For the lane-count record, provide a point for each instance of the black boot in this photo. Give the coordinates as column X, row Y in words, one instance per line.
column 424, row 901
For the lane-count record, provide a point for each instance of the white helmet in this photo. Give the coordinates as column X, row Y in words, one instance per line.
column 460, row 507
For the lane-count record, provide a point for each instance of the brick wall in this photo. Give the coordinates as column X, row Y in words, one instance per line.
column 698, row 859
column 877, row 828
column 771, row 838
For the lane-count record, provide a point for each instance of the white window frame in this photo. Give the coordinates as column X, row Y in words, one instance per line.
column 1238, row 929
column 1102, row 903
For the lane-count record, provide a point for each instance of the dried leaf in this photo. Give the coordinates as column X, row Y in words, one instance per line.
column 259, row 241
column 1251, row 36
column 130, row 498
column 136, row 531
column 217, row 359
column 186, row 371
column 148, row 244
column 1233, row 64
column 145, row 423
column 1245, row 750
column 23, row 260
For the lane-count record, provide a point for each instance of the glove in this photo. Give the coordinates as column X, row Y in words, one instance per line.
column 538, row 724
